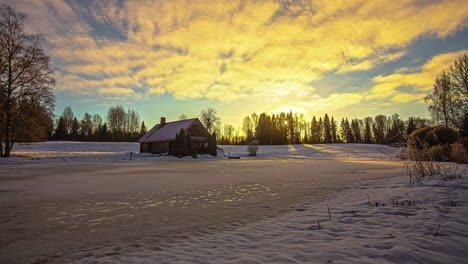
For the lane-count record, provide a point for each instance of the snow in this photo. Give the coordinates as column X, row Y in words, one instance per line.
column 404, row 230
column 319, row 151
column 385, row 220
column 86, row 151
column 95, row 151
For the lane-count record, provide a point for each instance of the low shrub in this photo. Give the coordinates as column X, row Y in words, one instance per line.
column 458, row 153
column 253, row 147
column 435, row 140
column 433, row 136
column 423, row 161
column 437, row 153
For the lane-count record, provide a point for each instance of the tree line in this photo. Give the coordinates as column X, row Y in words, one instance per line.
column 292, row 128
column 119, row 125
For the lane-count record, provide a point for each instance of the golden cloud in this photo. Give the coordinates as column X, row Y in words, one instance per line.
column 230, row 50
column 422, row 80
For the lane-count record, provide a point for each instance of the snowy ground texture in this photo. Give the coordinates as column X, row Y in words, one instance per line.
column 426, row 223
column 94, row 151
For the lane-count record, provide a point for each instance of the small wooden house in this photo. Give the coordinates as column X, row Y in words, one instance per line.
column 162, row 136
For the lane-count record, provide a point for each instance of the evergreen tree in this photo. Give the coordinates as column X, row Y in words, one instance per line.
column 333, row 130
column 143, row 128
column 367, row 130
column 356, row 131
column 327, row 136
column 75, row 129
column 314, row 132
column 320, row 131
column 60, row 131
column 188, row 144
column 343, row 130
column 349, row 133
column 212, row 146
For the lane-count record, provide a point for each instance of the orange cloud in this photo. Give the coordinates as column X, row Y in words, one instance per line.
column 421, row 81
column 230, row 50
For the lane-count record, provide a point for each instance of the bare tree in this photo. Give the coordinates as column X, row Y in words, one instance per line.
column 87, row 124
column 440, row 100
column 458, row 73
column 210, row 119
column 182, row 117
column 97, row 123
column 134, row 122
column 25, row 77
column 248, row 127
column 228, row 133
column 68, row 117
column 448, row 102
column 116, row 120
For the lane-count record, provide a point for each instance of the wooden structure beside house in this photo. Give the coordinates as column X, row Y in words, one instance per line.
column 162, row 136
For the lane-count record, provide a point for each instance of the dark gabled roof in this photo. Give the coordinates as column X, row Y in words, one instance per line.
column 168, row 131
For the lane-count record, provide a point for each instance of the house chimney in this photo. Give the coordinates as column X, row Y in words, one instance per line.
column 163, row 121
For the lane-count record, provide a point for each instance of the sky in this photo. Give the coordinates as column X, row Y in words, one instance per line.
column 349, row 58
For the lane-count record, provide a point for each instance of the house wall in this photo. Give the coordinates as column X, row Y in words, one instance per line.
column 155, row 148
column 159, row 147
column 144, row 147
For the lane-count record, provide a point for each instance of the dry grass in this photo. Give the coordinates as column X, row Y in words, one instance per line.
column 458, row 153
column 424, row 162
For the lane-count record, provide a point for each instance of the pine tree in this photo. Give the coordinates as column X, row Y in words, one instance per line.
column 75, row 129
column 367, row 130
column 143, row 128
column 327, row 136
column 343, row 129
column 356, row 131
column 333, row 130
column 314, row 131
column 188, row 144
column 320, row 131
column 212, row 146
column 60, row 131
column 349, row 132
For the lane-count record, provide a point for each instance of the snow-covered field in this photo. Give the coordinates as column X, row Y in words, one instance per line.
column 91, row 151
column 273, row 208
column 398, row 223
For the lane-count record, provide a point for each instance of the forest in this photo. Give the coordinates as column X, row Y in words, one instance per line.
column 119, row 125
column 292, row 128
column 124, row 125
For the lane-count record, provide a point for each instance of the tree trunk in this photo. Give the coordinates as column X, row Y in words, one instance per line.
column 6, row 152
column 7, row 149
column 1, row 143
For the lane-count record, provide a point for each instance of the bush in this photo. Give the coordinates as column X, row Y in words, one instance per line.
column 458, row 153
column 253, row 147
column 432, row 143
column 438, row 153
column 432, row 136
column 212, row 145
column 182, row 145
